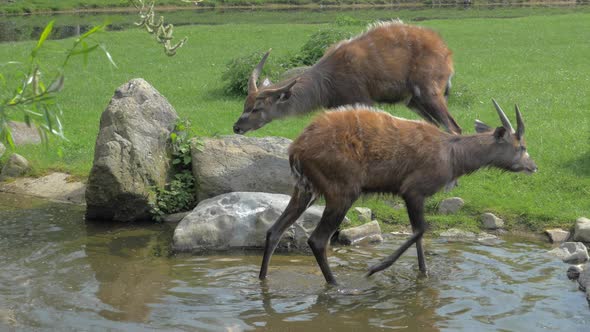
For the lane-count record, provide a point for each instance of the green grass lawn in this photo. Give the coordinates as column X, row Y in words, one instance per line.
column 539, row 61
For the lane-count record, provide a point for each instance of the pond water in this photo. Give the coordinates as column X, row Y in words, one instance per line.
column 17, row 28
column 62, row 273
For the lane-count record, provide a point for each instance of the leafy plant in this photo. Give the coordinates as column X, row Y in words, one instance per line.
column 238, row 71
column 179, row 194
column 32, row 96
column 315, row 47
column 180, row 145
column 345, row 20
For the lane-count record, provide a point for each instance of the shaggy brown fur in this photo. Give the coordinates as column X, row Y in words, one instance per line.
column 390, row 63
column 345, row 153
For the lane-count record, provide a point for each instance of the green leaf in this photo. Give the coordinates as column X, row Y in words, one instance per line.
column 45, row 34
column 108, row 55
column 85, row 50
column 93, row 30
column 57, row 85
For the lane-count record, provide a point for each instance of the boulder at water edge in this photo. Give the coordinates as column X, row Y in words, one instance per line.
column 240, row 220
column 571, row 252
column 368, row 232
column 238, row 163
column 130, row 153
column 582, row 230
column 16, row 166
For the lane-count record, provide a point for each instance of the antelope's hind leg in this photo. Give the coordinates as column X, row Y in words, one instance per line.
column 415, row 208
column 332, row 217
column 299, row 202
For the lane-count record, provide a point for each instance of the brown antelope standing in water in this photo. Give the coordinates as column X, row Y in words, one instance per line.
column 354, row 150
column 389, row 63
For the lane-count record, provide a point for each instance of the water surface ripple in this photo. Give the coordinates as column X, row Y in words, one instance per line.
column 62, row 273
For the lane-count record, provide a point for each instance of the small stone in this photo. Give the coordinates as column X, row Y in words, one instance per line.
column 366, row 231
column 490, row 221
column 457, row 233
column 16, row 166
column 396, row 205
column 401, row 233
column 364, row 214
column 573, row 272
column 571, row 252
column 485, row 237
column 450, row 205
column 557, row 235
column 582, row 230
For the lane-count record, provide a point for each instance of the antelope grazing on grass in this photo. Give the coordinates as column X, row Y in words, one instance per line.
column 389, row 63
column 354, row 150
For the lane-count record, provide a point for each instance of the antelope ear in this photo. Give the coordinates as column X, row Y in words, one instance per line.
column 284, row 96
column 481, row 127
column 501, row 133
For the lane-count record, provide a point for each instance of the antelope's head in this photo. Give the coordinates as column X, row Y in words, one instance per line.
column 509, row 151
column 264, row 103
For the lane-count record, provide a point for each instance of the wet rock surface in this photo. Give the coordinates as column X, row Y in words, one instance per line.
column 571, row 252
column 240, row 220
column 369, row 232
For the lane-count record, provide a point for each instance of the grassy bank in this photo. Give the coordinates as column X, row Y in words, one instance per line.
column 538, row 61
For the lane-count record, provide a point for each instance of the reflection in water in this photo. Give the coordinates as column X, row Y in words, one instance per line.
column 62, row 273
column 134, row 275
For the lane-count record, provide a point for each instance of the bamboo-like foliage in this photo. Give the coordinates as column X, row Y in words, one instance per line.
column 161, row 31
column 31, row 96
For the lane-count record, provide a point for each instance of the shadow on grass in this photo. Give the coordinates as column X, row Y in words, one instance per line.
column 579, row 166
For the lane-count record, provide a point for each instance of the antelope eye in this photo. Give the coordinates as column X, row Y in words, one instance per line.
column 255, row 110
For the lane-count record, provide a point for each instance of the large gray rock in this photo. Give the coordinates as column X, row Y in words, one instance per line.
column 16, row 166
column 370, row 232
column 582, row 230
column 451, row 205
column 240, row 220
column 238, row 163
column 571, row 252
column 130, row 154
column 490, row 221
